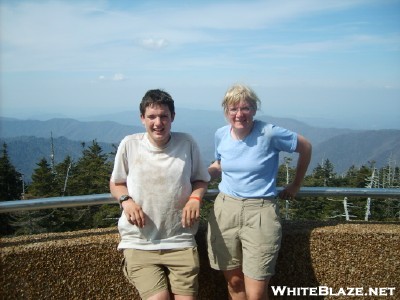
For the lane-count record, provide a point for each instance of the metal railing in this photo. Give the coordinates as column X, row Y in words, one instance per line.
column 98, row 199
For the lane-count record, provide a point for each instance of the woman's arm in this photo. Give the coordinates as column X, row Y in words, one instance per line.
column 304, row 149
column 215, row 169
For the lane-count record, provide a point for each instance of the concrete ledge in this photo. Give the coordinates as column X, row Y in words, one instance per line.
column 86, row 264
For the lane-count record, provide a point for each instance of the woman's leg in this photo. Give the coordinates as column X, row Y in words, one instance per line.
column 256, row 289
column 236, row 284
column 241, row 287
column 163, row 295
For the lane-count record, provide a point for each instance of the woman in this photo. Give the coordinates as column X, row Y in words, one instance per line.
column 244, row 231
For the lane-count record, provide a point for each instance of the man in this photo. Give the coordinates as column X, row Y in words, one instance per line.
column 159, row 180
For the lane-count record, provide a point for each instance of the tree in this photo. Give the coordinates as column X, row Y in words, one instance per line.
column 372, row 182
column 11, row 183
column 11, row 188
column 356, row 177
column 91, row 174
column 62, row 175
column 390, row 175
column 324, row 175
column 42, row 186
column 43, row 181
column 285, row 174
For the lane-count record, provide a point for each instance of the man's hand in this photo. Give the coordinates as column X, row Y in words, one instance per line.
column 133, row 213
column 191, row 213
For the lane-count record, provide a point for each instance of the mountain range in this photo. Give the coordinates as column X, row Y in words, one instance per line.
column 30, row 140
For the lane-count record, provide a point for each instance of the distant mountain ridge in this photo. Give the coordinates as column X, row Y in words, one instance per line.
column 359, row 148
column 104, row 131
column 29, row 140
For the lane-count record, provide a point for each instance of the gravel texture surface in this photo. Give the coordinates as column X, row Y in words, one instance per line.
column 87, row 265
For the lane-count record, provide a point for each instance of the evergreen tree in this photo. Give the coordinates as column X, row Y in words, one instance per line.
column 63, row 172
column 11, row 188
column 387, row 209
column 357, row 177
column 43, row 181
column 11, row 185
column 323, row 175
column 91, row 174
column 42, row 186
column 316, row 208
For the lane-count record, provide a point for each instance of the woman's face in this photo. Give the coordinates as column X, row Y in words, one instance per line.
column 241, row 115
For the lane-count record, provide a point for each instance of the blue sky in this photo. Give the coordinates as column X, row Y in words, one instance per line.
column 307, row 59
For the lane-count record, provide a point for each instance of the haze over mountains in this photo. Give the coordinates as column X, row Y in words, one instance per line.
column 29, row 140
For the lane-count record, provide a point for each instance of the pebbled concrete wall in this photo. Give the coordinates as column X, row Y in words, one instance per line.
column 86, row 264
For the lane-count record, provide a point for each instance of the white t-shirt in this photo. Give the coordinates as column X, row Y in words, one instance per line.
column 160, row 180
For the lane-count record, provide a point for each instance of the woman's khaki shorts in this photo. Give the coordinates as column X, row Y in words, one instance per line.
column 244, row 233
column 154, row 271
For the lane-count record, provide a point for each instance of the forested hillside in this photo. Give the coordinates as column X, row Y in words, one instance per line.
column 26, row 152
column 89, row 174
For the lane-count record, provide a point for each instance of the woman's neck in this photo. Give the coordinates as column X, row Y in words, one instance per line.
column 242, row 133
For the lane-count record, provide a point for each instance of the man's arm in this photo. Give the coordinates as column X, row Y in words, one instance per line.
column 133, row 211
column 191, row 211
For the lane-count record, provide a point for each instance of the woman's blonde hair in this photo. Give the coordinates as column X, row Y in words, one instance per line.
column 237, row 93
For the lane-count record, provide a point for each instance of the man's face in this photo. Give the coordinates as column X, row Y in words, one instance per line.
column 158, row 119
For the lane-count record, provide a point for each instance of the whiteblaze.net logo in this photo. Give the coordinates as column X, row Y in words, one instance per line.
column 327, row 291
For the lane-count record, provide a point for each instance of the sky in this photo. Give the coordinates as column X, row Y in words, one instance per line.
column 337, row 61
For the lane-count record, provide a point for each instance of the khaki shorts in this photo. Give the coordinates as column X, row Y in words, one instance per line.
column 244, row 233
column 154, row 271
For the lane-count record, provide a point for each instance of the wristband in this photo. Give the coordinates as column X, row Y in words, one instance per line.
column 195, row 198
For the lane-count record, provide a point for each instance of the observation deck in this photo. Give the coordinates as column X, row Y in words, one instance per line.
column 86, row 264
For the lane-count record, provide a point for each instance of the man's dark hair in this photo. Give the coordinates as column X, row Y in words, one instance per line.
column 157, row 97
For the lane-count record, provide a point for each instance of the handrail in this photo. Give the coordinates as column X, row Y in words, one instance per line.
column 97, row 199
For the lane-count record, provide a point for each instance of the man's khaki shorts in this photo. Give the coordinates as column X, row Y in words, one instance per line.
column 244, row 233
column 154, row 271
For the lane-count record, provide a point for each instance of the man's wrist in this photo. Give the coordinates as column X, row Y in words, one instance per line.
column 195, row 198
column 122, row 199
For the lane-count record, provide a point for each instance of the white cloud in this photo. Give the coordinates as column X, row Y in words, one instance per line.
column 118, row 77
column 58, row 50
column 53, row 35
column 151, row 43
column 115, row 77
column 212, row 37
column 341, row 44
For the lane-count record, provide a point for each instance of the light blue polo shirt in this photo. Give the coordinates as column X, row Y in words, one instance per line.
column 249, row 167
